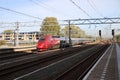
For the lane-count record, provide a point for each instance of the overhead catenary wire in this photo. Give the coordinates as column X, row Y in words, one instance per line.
column 89, row 21
column 37, row 4
column 44, row 4
column 47, row 7
column 94, row 8
column 20, row 13
column 33, row 22
column 80, row 8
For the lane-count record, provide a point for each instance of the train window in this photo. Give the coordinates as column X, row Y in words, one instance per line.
column 55, row 36
column 41, row 39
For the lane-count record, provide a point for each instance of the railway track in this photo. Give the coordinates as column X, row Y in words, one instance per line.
column 58, row 70
column 78, row 71
column 119, row 43
column 12, row 55
column 10, row 73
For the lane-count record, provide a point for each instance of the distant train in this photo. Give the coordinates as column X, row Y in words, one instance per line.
column 49, row 42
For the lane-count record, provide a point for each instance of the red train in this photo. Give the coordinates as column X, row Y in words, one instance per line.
column 47, row 42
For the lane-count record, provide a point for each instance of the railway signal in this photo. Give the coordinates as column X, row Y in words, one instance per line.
column 100, row 33
column 113, row 32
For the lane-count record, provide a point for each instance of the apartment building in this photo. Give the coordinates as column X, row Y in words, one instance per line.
column 22, row 36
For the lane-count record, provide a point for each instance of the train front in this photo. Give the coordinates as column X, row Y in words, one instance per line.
column 41, row 45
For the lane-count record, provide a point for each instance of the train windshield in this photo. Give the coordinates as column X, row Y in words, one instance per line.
column 41, row 39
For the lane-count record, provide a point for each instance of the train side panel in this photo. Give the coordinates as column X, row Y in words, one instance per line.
column 47, row 43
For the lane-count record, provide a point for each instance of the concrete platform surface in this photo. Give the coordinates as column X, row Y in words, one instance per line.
column 108, row 66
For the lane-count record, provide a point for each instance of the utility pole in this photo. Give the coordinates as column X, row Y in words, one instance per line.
column 70, row 43
column 17, row 34
column 14, row 38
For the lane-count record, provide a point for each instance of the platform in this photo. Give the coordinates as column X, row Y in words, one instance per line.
column 108, row 66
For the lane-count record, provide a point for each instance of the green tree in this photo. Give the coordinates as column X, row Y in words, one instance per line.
column 8, row 31
column 2, row 42
column 76, row 32
column 50, row 26
column 117, row 37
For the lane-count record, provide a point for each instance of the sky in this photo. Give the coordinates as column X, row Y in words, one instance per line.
column 62, row 10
